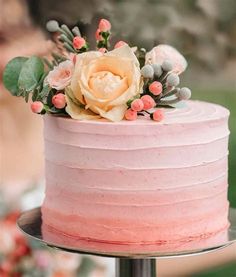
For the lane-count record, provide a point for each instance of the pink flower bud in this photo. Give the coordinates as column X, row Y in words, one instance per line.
column 120, row 44
column 131, row 115
column 97, row 35
column 102, row 50
column 137, row 105
column 104, row 25
column 158, row 115
column 155, row 88
column 59, row 100
column 148, row 102
column 37, row 107
column 79, row 42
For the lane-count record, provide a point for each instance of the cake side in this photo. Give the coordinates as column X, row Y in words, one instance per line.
column 138, row 182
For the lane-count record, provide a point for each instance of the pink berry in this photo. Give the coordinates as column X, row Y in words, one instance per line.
column 137, row 105
column 148, row 102
column 59, row 100
column 131, row 115
column 37, row 107
column 155, row 88
column 104, row 25
column 120, row 44
column 97, row 35
column 158, row 115
column 79, row 42
column 102, row 50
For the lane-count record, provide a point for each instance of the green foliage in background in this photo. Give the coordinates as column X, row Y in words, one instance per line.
column 226, row 98
column 228, row 270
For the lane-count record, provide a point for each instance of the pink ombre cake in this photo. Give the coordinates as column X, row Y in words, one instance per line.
column 138, row 182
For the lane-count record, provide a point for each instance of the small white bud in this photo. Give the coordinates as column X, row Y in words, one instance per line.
column 76, row 31
column 147, row 71
column 173, row 80
column 184, row 94
column 167, row 65
column 52, row 26
column 157, row 69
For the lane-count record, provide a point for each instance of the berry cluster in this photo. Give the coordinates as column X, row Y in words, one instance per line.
column 139, row 106
column 160, row 90
column 71, row 39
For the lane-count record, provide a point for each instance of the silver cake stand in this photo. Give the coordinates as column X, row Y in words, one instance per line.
column 130, row 263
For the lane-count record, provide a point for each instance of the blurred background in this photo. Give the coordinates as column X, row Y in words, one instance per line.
column 203, row 30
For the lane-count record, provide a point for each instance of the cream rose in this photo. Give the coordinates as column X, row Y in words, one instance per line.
column 102, row 84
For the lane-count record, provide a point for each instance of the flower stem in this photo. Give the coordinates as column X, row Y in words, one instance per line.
column 69, row 48
column 168, row 102
column 49, row 65
column 67, row 31
column 147, row 112
column 64, row 38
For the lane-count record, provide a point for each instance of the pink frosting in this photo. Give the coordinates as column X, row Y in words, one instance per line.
column 138, row 182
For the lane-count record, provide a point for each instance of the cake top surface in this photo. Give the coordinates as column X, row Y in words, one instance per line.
column 194, row 111
column 199, row 122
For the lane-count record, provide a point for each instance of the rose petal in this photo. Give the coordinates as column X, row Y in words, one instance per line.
column 115, row 114
column 125, row 52
column 78, row 112
column 82, row 59
column 134, row 89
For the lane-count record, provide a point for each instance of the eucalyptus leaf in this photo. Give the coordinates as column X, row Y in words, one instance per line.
column 179, row 105
column 31, row 73
column 164, row 106
column 168, row 98
column 11, row 75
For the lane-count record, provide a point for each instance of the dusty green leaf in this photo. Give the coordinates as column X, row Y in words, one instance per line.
column 11, row 75
column 31, row 74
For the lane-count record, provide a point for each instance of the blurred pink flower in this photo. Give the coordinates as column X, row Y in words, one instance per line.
column 164, row 52
column 66, row 262
column 7, row 243
column 43, row 259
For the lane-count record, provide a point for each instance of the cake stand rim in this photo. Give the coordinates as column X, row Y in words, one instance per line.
column 37, row 221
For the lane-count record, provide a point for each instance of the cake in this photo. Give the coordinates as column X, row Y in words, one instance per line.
column 131, row 163
column 138, row 182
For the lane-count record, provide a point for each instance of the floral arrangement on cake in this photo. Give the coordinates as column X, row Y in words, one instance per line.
column 114, row 83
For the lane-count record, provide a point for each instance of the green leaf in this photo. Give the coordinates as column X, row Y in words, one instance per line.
column 31, row 73
column 11, row 75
